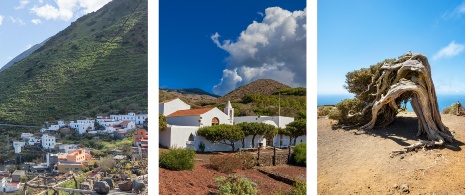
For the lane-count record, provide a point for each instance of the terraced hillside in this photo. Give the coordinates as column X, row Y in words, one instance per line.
column 96, row 65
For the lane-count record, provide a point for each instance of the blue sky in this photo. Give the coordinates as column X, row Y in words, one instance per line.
column 357, row 34
column 193, row 51
column 24, row 23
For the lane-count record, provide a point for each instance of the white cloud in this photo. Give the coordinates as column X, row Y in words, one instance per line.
column 17, row 20
column 67, row 9
column 455, row 13
column 22, row 4
column 274, row 48
column 1, row 19
column 260, row 13
column 36, row 21
column 450, row 50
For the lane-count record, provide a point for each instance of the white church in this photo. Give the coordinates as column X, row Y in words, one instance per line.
column 183, row 123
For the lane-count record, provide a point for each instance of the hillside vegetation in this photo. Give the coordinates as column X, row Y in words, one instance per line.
column 264, row 97
column 96, row 65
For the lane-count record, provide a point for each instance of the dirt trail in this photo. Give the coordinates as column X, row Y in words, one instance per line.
column 359, row 162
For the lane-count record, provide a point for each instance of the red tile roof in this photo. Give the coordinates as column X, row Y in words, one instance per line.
column 192, row 112
column 125, row 123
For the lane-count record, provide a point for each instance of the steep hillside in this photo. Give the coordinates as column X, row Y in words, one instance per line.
column 192, row 95
column 260, row 86
column 23, row 55
column 96, row 65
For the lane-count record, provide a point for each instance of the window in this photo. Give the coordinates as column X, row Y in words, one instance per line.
column 191, row 137
column 215, row 121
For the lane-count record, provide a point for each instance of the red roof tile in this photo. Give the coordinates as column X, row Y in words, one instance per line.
column 125, row 123
column 192, row 112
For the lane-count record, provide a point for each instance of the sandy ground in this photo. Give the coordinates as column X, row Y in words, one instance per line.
column 360, row 162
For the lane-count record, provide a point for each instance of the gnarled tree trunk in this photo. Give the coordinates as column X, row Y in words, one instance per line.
column 407, row 79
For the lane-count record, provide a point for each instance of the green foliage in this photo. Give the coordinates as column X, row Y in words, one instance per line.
column 235, row 185
column 202, row 147
column 82, row 72
column 299, row 91
column 162, row 122
column 296, row 128
column 299, row 188
column 346, row 107
column 177, row 159
column 256, row 128
column 224, row 134
column 299, row 155
column 452, row 109
column 258, row 104
column 325, row 110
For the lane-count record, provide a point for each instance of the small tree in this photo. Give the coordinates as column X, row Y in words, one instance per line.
column 296, row 128
column 106, row 163
column 162, row 122
column 224, row 134
column 255, row 129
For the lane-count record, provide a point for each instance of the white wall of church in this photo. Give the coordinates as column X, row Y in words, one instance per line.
column 172, row 106
column 215, row 112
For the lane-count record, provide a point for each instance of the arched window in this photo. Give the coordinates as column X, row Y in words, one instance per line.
column 215, row 121
column 191, row 137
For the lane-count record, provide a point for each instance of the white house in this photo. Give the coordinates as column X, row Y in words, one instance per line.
column 51, row 128
column 48, row 141
column 33, row 141
column 61, row 124
column 17, row 145
column 167, row 107
column 137, row 119
column 7, row 185
column 82, row 126
column 26, row 135
column 67, row 147
column 128, row 125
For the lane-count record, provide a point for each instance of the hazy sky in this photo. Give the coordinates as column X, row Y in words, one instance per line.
column 220, row 45
column 357, row 34
column 24, row 23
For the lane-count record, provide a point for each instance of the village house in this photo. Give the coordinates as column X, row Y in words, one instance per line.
column 17, row 145
column 82, row 126
column 34, row 141
column 183, row 125
column 7, row 185
column 26, row 135
column 136, row 118
column 48, row 141
column 138, row 135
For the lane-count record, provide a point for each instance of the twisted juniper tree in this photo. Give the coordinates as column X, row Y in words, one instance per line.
column 381, row 90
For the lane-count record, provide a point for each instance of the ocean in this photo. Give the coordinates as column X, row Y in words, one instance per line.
column 444, row 100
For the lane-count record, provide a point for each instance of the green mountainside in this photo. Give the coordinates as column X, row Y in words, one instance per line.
column 97, row 65
column 265, row 97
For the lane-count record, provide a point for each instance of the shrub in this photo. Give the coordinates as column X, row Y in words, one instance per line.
column 235, row 185
column 299, row 188
column 177, row 159
column 202, row 147
column 325, row 110
column 452, row 109
column 299, row 155
column 225, row 163
column 248, row 161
